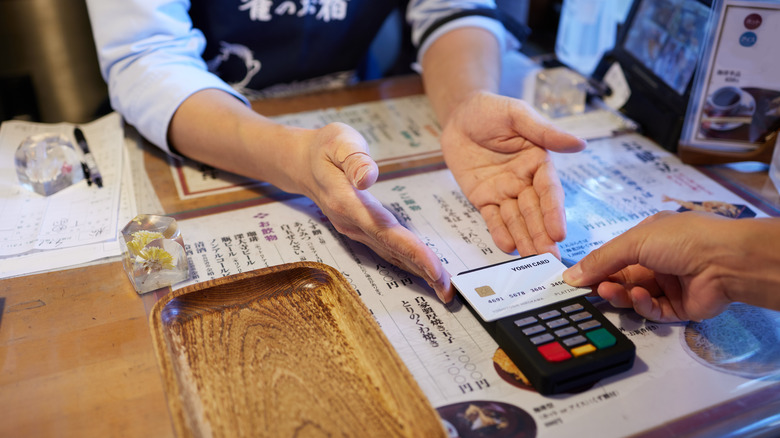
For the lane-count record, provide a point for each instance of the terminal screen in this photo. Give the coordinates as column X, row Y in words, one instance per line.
column 666, row 36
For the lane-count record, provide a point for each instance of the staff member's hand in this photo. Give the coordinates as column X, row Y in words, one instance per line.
column 685, row 266
column 330, row 165
column 497, row 149
column 340, row 172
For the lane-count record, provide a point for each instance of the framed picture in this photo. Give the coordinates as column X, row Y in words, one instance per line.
column 735, row 101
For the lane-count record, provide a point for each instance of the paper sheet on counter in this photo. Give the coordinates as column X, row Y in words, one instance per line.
column 396, row 130
column 73, row 226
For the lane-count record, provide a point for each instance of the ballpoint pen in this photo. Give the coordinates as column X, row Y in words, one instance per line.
column 91, row 172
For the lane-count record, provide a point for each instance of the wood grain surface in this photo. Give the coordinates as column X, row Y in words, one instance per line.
column 76, row 357
column 283, row 351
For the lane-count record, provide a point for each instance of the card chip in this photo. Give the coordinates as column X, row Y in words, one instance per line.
column 485, row 291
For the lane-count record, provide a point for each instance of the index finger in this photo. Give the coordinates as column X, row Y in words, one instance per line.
column 612, row 257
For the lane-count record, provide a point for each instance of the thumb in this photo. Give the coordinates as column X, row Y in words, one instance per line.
column 540, row 131
column 361, row 170
column 348, row 152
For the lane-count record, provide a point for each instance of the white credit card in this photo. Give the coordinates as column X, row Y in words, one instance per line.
column 515, row 286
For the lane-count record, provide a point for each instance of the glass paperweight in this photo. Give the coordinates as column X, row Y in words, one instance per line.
column 153, row 252
column 47, row 163
column 560, row 92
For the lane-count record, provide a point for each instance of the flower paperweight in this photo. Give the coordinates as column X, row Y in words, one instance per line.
column 153, row 252
column 47, row 163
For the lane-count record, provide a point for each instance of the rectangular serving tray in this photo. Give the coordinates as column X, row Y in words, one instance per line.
column 288, row 350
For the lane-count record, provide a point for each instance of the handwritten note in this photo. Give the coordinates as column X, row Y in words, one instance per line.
column 76, row 216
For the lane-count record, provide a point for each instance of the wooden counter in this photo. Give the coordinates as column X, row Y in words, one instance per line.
column 76, row 356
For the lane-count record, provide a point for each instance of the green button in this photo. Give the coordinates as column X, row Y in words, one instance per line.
column 601, row 338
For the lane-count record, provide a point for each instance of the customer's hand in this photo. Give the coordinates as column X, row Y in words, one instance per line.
column 496, row 147
column 672, row 266
column 340, row 171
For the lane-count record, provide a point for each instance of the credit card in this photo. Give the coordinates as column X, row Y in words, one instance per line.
column 519, row 285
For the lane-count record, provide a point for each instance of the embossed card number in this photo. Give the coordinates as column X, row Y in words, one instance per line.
column 515, row 286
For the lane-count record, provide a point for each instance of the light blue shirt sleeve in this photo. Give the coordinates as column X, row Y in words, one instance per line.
column 151, row 58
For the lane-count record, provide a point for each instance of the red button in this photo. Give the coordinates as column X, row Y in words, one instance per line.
column 554, row 352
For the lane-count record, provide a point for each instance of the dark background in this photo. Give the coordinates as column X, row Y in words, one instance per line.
column 49, row 70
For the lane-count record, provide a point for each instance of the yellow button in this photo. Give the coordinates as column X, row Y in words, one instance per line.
column 583, row 349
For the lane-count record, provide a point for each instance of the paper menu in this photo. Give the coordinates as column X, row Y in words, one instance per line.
column 447, row 350
column 76, row 216
column 396, row 130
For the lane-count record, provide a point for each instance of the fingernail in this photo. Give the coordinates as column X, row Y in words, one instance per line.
column 573, row 275
column 360, row 174
column 432, row 285
column 432, row 275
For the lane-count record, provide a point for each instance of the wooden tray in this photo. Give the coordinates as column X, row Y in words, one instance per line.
column 283, row 351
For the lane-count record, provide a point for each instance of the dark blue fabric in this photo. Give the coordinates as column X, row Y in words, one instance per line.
column 289, row 48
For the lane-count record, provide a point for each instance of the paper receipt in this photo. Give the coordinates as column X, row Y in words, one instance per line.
column 515, row 286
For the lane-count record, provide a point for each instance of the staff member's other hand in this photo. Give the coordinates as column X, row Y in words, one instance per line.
column 497, row 149
column 684, row 266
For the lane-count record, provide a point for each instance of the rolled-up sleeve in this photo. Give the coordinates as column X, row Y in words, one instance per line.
column 430, row 19
column 151, row 58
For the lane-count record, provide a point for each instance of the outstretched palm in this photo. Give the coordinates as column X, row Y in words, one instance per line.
column 497, row 150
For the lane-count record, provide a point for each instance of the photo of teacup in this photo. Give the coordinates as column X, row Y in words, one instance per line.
column 727, row 108
column 725, row 101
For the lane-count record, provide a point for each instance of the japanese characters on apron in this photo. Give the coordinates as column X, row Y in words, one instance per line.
column 263, row 47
